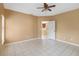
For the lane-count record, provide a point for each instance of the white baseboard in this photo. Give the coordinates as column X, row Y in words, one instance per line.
column 74, row 44
column 21, row 41
column 68, row 42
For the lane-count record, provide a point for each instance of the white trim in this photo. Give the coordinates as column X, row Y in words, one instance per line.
column 21, row 41
column 68, row 42
column 3, row 29
column 40, row 38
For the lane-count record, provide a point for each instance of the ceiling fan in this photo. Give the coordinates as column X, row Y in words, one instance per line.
column 46, row 7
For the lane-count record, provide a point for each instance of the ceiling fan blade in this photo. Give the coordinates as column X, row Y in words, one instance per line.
column 49, row 9
column 52, row 6
column 40, row 7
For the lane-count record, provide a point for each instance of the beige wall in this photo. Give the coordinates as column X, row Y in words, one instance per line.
column 68, row 26
column 1, row 8
column 20, row 26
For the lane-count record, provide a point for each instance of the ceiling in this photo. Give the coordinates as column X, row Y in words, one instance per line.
column 31, row 8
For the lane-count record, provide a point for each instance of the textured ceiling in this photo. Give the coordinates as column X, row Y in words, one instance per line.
column 31, row 8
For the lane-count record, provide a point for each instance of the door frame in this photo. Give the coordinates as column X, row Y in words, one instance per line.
column 46, row 21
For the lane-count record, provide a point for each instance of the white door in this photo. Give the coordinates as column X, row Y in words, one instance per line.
column 48, row 30
column 51, row 30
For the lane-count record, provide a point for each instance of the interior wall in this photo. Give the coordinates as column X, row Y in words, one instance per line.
column 68, row 26
column 20, row 26
column 1, row 8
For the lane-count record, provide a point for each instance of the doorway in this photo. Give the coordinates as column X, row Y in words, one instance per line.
column 48, row 30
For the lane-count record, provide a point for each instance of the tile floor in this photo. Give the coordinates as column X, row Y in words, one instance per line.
column 39, row 47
